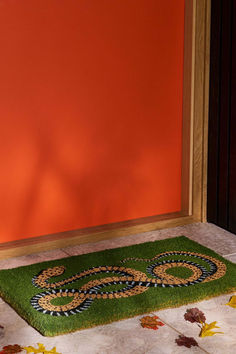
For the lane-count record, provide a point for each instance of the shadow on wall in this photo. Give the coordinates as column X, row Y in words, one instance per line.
column 91, row 109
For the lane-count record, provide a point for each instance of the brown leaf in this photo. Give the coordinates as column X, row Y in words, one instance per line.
column 194, row 315
column 186, row 341
column 150, row 322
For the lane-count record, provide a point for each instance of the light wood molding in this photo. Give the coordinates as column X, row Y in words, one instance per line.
column 194, row 147
column 200, row 106
column 187, row 125
column 206, row 108
column 93, row 234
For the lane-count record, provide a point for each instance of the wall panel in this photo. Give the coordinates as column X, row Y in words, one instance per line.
column 90, row 113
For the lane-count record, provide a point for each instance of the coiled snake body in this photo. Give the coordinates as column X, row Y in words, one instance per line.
column 135, row 282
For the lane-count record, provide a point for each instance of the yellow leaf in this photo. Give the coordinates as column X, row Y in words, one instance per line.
column 52, row 351
column 30, row 349
column 232, row 301
column 41, row 348
column 207, row 329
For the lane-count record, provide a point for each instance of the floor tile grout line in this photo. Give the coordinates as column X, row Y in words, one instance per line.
column 230, row 254
column 176, row 330
column 68, row 254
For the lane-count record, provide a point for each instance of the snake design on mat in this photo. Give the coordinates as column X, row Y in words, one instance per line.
column 135, row 282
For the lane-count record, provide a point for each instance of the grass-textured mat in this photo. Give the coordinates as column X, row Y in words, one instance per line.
column 83, row 291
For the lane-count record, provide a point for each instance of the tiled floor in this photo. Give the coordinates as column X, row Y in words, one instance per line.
column 128, row 336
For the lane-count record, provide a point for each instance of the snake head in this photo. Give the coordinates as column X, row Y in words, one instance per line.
column 41, row 280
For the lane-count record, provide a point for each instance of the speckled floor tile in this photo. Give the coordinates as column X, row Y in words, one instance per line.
column 159, row 349
column 130, row 337
column 16, row 330
column 231, row 257
column 215, row 309
column 32, row 258
column 1, row 332
column 209, row 235
column 121, row 337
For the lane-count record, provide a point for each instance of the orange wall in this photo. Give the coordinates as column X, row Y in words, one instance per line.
column 90, row 112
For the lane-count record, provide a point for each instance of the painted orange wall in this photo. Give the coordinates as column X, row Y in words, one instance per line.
column 90, row 112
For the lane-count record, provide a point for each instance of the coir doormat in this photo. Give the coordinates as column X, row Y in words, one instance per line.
column 83, row 291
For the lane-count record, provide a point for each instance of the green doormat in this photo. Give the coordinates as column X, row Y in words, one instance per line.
column 83, row 291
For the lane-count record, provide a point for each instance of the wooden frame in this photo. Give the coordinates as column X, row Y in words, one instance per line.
column 194, row 157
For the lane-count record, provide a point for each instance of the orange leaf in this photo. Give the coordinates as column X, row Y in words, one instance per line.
column 150, row 322
column 11, row 349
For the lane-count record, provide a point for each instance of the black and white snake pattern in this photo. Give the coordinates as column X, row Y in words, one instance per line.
column 135, row 282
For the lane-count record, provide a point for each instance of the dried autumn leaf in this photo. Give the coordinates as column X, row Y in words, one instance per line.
column 206, row 330
column 150, row 322
column 194, row 315
column 11, row 349
column 232, row 301
column 40, row 349
column 186, row 341
column 52, row 351
column 31, row 349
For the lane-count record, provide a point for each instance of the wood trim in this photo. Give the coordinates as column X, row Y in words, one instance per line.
column 206, row 107
column 194, row 156
column 195, row 108
column 77, row 237
column 187, row 127
column 200, row 106
column 214, row 115
column 93, row 230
